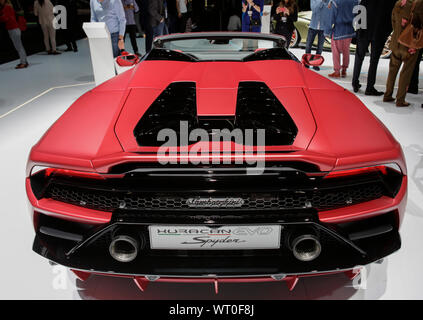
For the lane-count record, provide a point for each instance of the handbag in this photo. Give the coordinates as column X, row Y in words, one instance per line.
column 411, row 37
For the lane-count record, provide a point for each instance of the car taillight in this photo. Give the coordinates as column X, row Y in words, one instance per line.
column 41, row 176
column 50, row 172
column 73, row 173
column 365, row 170
column 389, row 174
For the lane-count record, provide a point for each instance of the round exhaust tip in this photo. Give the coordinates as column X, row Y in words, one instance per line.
column 306, row 247
column 124, row 248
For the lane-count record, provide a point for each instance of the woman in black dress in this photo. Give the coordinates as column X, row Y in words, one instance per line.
column 285, row 13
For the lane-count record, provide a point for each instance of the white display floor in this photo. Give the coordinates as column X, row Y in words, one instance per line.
column 32, row 99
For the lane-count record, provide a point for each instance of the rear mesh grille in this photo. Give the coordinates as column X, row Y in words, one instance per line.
column 320, row 200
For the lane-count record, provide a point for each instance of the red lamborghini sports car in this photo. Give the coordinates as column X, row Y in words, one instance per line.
column 218, row 158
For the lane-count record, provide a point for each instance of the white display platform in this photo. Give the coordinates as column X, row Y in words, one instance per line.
column 101, row 51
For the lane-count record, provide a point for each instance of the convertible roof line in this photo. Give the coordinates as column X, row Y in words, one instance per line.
column 202, row 35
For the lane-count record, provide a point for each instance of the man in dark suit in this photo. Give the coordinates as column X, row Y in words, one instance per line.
column 145, row 23
column 206, row 14
column 73, row 24
column 379, row 27
column 414, row 84
column 418, row 23
column 172, row 16
column 156, row 12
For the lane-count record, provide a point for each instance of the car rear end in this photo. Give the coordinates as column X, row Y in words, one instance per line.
column 217, row 222
column 320, row 196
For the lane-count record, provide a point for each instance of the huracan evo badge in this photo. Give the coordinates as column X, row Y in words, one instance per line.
column 231, row 237
column 215, row 202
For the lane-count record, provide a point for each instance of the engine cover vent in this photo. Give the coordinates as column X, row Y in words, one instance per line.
column 258, row 108
column 175, row 104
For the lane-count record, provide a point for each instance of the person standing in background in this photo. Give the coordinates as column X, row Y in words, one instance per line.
column 8, row 16
column 43, row 9
column 137, row 17
column 234, row 23
column 414, row 83
column 378, row 29
column 190, row 24
column 401, row 55
column 72, row 24
column 156, row 11
column 181, row 6
column 130, row 7
column 251, row 15
column 172, row 16
column 145, row 22
column 111, row 12
column 341, row 32
column 417, row 23
column 285, row 13
column 320, row 21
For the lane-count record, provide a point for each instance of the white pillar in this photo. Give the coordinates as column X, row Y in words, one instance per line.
column 265, row 19
column 101, row 51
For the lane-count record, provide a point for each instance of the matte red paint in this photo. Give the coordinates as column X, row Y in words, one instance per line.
column 333, row 123
column 336, row 131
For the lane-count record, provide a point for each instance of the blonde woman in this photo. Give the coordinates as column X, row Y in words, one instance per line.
column 43, row 9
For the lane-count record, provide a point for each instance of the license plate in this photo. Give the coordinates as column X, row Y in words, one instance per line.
column 221, row 238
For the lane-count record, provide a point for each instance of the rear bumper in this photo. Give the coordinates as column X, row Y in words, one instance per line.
column 88, row 234
column 339, row 253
